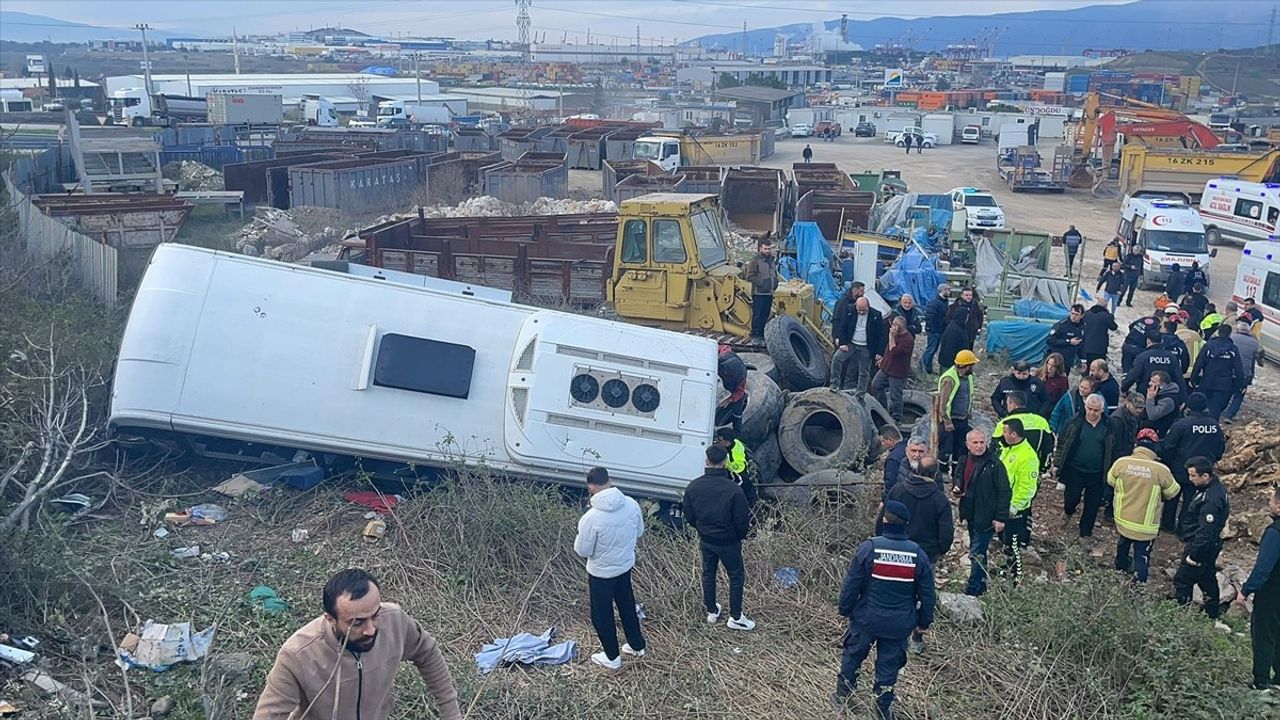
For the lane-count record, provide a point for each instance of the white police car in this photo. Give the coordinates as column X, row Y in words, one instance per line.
column 984, row 213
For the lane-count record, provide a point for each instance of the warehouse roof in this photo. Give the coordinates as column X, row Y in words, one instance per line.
column 757, row 94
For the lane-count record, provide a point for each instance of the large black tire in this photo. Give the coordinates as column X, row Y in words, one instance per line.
column 822, row 428
column 763, row 364
column 923, row 427
column 915, row 405
column 764, row 407
column 828, row 486
column 1213, row 236
column 765, row 460
column 877, row 417
column 796, row 354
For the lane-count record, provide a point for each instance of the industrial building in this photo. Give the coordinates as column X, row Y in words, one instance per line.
column 758, row 106
column 790, row 74
column 600, row 53
column 290, row 87
column 498, row 99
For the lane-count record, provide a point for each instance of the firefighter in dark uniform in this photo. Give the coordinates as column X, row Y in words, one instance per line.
column 888, row 593
column 1201, row 533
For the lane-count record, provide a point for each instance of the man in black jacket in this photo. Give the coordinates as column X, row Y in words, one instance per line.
column 1170, row 341
column 1099, row 323
column 1175, row 283
column 1218, row 371
column 716, row 507
column 935, row 322
column 1132, row 272
column 1018, row 379
column 1104, row 383
column 1111, row 284
column 910, row 313
column 1067, row 336
column 1196, row 434
column 1197, row 276
column 968, row 302
column 984, row 490
column 1201, row 532
column 931, row 526
column 1194, row 303
column 1164, row 397
column 1087, row 448
column 859, row 334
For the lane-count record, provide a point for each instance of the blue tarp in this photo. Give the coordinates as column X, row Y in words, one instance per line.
column 1023, row 339
column 812, row 262
column 1032, row 308
column 914, row 273
column 379, row 70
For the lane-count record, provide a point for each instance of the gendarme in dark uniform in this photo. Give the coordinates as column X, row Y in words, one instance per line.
column 888, row 593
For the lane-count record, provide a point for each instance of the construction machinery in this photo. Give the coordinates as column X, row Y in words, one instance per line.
column 1109, row 119
column 660, row 262
column 1186, row 171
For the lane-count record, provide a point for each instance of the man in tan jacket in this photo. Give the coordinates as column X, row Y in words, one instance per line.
column 1142, row 483
column 342, row 664
column 762, row 273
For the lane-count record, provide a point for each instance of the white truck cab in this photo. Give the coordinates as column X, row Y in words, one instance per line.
column 663, row 150
column 1258, row 277
column 1169, row 232
column 1240, row 211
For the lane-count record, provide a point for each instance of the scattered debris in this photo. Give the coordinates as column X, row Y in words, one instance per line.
column 961, row 608
column 231, row 666
column 787, row 577
column 267, row 599
column 375, row 530
column 159, row 646
column 77, row 503
column 49, row 686
column 8, row 708
column 379, row 503
column 290, row 235
column 525, row 649
column 239, row 485
column 299, row 535
column 202, row 514
column 161, row 533
column 186, row 552
column 17, row 656
column 191, row 175
column 487, row 206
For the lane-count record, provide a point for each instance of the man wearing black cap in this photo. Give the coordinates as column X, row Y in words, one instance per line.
column 1066, row 337
column 1196, row 434
column 1201, row 533
column 888, row 593
column 1019, row 378
column 1136, row 341
column 1154, row 358
column 1218, row 371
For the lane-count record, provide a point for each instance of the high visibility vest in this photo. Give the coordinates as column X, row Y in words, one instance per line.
column 955, row 387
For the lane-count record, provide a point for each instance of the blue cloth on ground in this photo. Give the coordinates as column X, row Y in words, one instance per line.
column 812, row 262
column 1024, row 339
column 526, row 649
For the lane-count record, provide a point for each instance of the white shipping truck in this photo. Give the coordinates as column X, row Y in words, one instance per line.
column 135, row 107
column 257, row 360
column 413, row 113
column 319, row 111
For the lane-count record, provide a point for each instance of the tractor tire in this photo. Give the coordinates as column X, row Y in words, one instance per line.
column 764, row 407
column 828, row 486
column 764, row 461
column 877, row 417
column 822, row 428
column 924, row 427
column 763, row 364
column 915, row 405
column 796, row 354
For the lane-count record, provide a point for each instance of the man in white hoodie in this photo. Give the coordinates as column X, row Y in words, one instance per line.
column 607, row 535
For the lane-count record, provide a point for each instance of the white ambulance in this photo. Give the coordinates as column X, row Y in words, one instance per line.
column 1258, row 277
column 1240, row 211
column 1168, row 231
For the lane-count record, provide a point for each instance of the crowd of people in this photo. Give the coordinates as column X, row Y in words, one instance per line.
column 1136, row 451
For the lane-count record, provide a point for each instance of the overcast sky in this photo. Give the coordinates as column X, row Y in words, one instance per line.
column 484, row 19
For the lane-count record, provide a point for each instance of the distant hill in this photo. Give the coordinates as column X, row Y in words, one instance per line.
column 27, row 28
column 1142, row 25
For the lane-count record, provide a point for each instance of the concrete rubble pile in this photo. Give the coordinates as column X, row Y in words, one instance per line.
column 1251, row 465
column 486, row 206
column 290, row 235
column 191, row 175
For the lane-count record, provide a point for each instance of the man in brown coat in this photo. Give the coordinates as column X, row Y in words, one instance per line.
column 762, row 273
column 342, row 664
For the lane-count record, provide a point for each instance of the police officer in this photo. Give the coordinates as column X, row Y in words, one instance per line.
column 1201, row 533
column 1022, row 380
column 888, row 593
column 1037, row 430
column 1154, row 358
column 1136, row 341
column 1196, row 434
column 1218, row 372
column 1067, row 337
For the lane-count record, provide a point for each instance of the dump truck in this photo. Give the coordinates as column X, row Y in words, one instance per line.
column 755, row 200
column 661, row 261
column 673, row 151
column 1187, row 171
column 134, row 106
column 347, row 366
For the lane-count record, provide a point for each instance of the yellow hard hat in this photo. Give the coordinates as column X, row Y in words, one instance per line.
column 966, row 357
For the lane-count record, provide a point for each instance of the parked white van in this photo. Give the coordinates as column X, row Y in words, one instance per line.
column 233, row 356
column 1258, row 277
column 1240, row 211
column 1168, row 231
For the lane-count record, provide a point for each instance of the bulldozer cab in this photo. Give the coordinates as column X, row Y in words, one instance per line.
column 671, row 269
column 667, row 243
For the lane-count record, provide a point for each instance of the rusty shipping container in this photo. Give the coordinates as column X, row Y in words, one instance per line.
column 472, row 139
column 251, row 177
column 615, row 171
column 755, row 199
column 533, row 176
column 836, row 210
column 362, row 185
column 703, row 178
